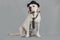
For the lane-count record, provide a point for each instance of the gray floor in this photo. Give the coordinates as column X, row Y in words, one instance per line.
column 44, row 36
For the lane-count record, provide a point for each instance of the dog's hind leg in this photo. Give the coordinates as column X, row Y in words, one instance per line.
column 20, row 31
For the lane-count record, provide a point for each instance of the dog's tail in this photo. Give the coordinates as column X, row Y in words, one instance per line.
column 14, row 34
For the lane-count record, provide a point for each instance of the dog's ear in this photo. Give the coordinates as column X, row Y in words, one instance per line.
column 38, row 10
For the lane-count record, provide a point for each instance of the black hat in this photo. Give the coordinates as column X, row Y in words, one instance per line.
column 33, row 2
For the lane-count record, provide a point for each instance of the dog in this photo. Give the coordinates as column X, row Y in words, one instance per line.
column 33, row 7
column 33, row 15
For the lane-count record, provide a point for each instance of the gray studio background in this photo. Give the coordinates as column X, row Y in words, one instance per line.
column 13, row 13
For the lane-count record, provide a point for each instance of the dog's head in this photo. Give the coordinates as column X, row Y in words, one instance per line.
column 33, row 6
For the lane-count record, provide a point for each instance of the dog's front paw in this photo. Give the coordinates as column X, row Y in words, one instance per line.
column 38, row 35
column 27, row 35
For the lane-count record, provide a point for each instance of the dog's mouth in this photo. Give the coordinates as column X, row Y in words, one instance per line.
column 32, row 12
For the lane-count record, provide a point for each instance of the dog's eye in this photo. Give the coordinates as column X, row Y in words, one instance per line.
column 33, row 6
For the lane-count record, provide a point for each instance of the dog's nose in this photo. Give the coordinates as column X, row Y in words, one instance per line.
column 29, row 7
